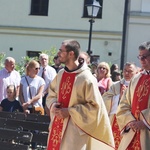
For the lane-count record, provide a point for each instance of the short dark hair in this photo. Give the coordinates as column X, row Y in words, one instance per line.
column 55, row 57
column 113, row 67
column 115, row 74
column 72, row 45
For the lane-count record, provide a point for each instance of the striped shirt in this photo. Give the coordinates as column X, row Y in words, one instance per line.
column 6, row 79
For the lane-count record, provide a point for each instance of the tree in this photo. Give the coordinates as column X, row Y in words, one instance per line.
column 20, row 67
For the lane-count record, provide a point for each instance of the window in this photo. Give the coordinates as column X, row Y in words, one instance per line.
column 85, row 13
column 145, row 5
column 33, row 53
column 39, row 7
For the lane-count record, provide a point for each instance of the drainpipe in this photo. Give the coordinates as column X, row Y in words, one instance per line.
column 125, row 23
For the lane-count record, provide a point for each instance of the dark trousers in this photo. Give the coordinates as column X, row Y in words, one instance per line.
column 44, row 100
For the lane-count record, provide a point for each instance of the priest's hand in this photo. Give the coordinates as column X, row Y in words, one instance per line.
column 59, row 111
column 55, row 106
column 62, row 112
column 137, row 125
column 123, row 88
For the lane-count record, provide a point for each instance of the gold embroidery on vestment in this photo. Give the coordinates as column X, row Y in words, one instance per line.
column 142, row 90
column 66, row 87
column 57, row 132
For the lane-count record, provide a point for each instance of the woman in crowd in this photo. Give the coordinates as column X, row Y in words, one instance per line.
column 114, row 67
column 116, row 76
column 94, row 68
column 103, row 77
column 31, row 88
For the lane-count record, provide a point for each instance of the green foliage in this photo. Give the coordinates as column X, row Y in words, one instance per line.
column 110, row 64
column 20, row 67
column 51, row 53
column 2, row 56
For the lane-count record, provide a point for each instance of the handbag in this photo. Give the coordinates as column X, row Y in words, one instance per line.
column 35, row 110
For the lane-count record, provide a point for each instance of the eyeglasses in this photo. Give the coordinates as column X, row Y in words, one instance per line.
column 143, row 57
column 62, row 50
column 37, row 68
column 128, row 71
column 102, row 68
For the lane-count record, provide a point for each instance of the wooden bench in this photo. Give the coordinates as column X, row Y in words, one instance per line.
column 36, row 124
column 12, row 139
column 10, row 146
column 39, row 130
column 14, row 115
column 27, row 117
column 38, row 118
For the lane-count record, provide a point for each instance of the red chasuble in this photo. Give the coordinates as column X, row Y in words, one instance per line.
column 65, row 90
column 140, row 102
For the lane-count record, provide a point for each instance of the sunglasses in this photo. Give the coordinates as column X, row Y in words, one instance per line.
column 102, row 68
column 37, row 68
column 143, row 57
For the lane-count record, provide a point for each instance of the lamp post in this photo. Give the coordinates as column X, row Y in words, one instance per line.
column 92, row 13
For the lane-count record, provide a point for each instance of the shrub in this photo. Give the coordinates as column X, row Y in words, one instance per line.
column 20, row 67
column 2, row 56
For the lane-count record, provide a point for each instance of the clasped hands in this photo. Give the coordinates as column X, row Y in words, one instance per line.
column 25, row 105
column 59, row 111
column 136, row 125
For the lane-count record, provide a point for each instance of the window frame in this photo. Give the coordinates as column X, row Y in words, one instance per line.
column 39, row 7
column 32, row 54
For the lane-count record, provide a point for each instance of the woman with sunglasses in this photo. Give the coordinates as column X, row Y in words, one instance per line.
column 103, row 77
column 31, row 88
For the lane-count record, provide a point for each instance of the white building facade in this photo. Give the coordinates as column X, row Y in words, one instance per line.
column 21, row 32
column 138, row 28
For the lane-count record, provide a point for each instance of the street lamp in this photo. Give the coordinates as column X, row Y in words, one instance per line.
column 92, row 13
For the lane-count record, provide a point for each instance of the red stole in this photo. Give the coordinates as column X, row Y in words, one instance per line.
column 140, row 102
column 115, row 128
column 116, row 132
column 65, row 90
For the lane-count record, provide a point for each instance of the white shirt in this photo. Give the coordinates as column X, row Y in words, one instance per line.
column 115, row 99
column 35, row 84
column 6, row 79
column 50, row 74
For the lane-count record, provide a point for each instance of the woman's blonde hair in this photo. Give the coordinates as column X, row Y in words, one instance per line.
column 31, row 64
column 105, row 65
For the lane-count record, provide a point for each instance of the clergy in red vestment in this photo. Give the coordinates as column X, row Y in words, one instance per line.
column 112, row 98
column 133, row 115
column 79, row 120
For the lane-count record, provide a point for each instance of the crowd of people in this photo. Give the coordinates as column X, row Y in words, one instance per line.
column 92, row 106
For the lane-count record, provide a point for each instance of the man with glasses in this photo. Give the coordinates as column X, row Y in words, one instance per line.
column 78, row 116
column 133, row 115
column 113, row 95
